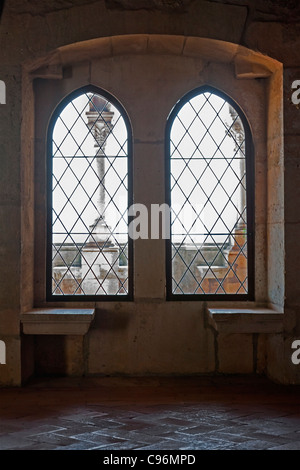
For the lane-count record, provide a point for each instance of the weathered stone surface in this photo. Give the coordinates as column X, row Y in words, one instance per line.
column 57, row 321
column 285, row 49
column 291, row 110
column 276, row 207
column 158, row 44
column 261, row 354
column 9, row 321
column 292, row 180
column 164, row 5
column 10, row 120
column 292, row 289
column 242, row 320
column 131, row 44
column 281, row 10
column 261, row 188
column 59, row 355
column 276, row 268
column 291, row 371
column 213, row 15
column 220, row 50
column 150, row 338
column 235, row 353
column 292, row 220
column 150, row 54
column 182, row 72
column 246, row 69
column 292, row 321
column 41, row 7
column 261, row 263
column 10, row 373
column 275, row 358
column 149, row 254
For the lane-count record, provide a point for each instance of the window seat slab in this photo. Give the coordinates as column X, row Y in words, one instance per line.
column 57, row 321
column 254, row 320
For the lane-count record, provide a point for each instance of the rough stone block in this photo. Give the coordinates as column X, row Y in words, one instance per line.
column 292, row 181
column 260, row 36
column 151, row 338
column 235, row 353
column 164, row 44
column 206, row 49
column 275, row 195
column 213, row 24
column 85, row 51
column 275, row 358
column 10, row 373
column 276, row 264
column 291, row 110
column 292, row 263
column 131, row 44
column 9, row 321
column 261, row 267
column 59, row 355
column 261, row 354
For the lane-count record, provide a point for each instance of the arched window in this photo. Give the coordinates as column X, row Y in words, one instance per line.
column 209, row 165
column 89, row 253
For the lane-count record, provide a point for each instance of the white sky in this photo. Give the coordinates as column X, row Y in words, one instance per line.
column 80, row 143
column 193, row 146
column 206, row 164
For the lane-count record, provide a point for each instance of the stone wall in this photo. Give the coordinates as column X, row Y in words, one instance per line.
column 249, row 50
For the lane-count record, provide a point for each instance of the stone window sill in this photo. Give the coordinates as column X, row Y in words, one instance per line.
column 57, row 321
column 243, row 320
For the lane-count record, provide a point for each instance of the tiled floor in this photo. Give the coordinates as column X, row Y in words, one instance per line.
column 151, row 413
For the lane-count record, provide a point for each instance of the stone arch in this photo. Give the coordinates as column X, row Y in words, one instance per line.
column 245, row 64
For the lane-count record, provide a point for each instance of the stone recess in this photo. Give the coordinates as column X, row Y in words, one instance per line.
column 235, row 354
column 150, row 338
column 59, row 355
column 10, row 372
column 148, row 54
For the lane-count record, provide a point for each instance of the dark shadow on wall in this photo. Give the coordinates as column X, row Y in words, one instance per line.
column 1, row 7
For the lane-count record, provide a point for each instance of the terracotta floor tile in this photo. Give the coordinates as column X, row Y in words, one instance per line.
column 192, row 413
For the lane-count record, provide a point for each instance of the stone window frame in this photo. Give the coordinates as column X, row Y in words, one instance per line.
column 250, row 195
column 50, row 297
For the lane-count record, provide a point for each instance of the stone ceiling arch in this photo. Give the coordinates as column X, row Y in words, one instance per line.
column 247, row 63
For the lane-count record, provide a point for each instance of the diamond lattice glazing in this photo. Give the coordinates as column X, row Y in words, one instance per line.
column 89, row 227
column 208, row 198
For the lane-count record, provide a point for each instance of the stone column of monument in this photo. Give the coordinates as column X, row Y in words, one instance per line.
column 100, row 253
column 238, row 130
column 237, row 259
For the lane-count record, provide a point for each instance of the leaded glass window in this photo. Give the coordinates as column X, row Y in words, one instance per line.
column 210, row 191
column 89, row 174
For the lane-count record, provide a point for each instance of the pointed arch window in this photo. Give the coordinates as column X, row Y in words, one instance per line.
column 89, row 253
column 209, row 167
